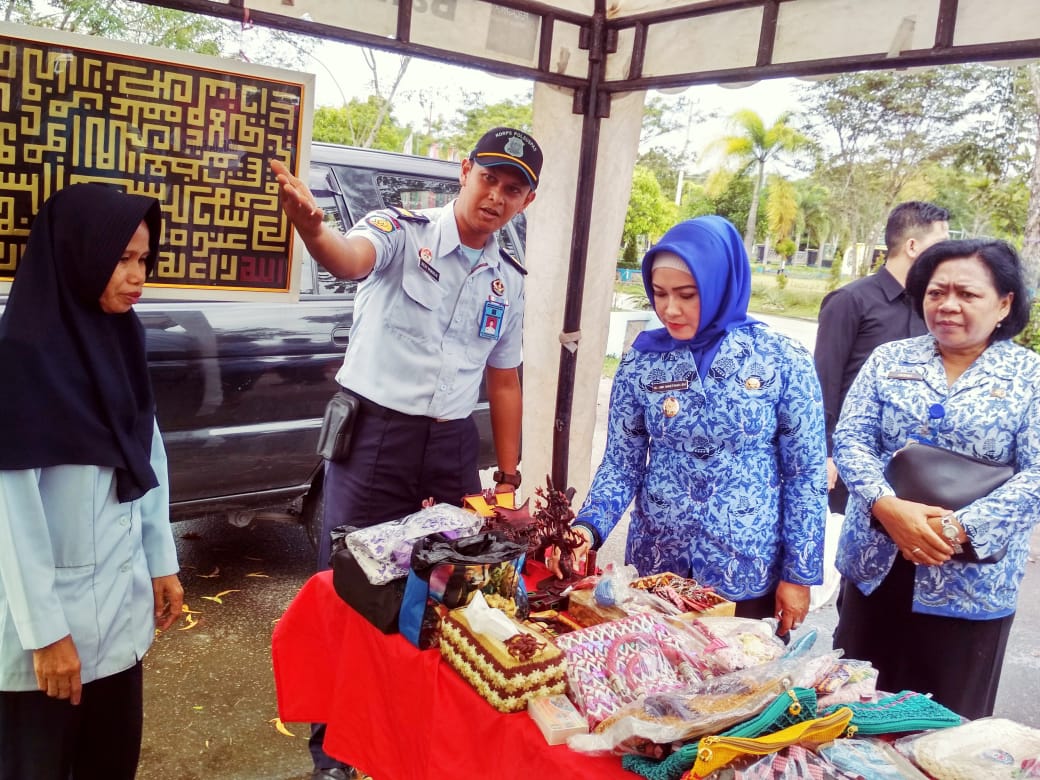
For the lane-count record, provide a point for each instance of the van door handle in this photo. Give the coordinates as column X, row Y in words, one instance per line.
column 341, row 336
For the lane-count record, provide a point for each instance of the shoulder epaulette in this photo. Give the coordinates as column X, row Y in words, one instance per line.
column 408, row 216
column 512, row 261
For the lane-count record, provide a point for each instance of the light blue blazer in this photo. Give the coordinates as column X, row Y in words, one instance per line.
column 73, row 560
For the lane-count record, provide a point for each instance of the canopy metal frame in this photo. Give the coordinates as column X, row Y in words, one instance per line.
column 599, row 35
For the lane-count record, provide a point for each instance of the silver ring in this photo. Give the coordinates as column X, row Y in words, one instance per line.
column 915, row 551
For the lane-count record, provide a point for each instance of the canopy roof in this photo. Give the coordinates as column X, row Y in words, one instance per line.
column 603, row 52
column 661, row 43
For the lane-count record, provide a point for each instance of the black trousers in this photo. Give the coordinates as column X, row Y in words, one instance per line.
column 396, row 461
column 956, row 660
column 42, row 738
column 838, row 497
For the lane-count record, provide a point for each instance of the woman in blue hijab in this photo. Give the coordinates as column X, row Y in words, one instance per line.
column 716, row 431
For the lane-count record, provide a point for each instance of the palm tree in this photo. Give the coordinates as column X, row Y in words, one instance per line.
column 752, row 147
column 781, row 209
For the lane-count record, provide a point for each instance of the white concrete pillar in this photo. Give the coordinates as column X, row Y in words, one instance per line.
column 550, row 217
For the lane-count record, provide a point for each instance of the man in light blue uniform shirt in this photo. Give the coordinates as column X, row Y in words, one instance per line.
column 438, row 307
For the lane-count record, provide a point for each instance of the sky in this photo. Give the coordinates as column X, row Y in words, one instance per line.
column 341, row 73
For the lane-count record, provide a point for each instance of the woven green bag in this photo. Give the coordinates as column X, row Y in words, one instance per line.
column 792, row 706
column 903, row 711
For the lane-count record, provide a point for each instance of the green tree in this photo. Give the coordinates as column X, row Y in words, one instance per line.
column 128, row 21
column 157, row 26
column 665, row 165
column 875, row 131
column 813, row 222
column 695, row 201
column 359, row 123
column 478, row 117
column 730, row 197
column 1031, row 239
column 781, row 210
column 753, row 146
column 650, row 212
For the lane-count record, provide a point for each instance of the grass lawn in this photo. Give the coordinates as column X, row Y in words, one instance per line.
column 800, row 297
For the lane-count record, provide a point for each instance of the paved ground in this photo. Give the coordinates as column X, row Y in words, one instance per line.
column 209, row 693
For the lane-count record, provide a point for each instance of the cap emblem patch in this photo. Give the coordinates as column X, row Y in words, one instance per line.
column 515, row 147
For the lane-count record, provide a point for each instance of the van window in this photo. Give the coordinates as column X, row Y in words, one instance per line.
column 415, row 193
column 412, row 193
column 322, row 282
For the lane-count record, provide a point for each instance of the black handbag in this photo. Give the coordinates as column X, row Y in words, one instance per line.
column 929, row 474
column 378, row 604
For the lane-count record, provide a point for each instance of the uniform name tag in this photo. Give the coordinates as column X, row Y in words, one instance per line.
column 913, row 376
column 664, row 387
column 430, row 270
column 491, row 320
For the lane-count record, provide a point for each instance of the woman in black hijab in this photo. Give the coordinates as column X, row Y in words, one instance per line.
column 88, row 567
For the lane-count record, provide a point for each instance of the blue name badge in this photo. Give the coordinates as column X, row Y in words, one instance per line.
column 491, row 320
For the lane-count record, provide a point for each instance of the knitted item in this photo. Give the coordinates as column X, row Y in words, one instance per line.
column 503, row 679
column 904, row 711
column 787, row 709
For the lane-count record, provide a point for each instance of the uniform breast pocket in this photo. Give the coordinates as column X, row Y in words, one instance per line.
column 750, row 418
column 486, row 330
column 413, row 314
column 69, row 504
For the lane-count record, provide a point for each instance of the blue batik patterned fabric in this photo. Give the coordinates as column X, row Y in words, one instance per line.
column 992, row 411
column 731, row 490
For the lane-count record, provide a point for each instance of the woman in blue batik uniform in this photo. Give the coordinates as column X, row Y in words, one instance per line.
column 716, row 430
column 926, row 621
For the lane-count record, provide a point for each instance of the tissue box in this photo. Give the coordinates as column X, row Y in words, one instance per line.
column 504, row 681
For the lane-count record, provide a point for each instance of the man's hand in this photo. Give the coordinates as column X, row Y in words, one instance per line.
column 297, row 202
column 832, row 474
column 169, row 599
column 57, row 670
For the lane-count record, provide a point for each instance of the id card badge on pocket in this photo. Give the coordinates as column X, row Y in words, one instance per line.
column 491, row 320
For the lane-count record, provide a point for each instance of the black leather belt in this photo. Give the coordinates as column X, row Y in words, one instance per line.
column 385, row 413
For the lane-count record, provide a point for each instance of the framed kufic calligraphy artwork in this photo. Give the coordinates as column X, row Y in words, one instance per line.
column 195, row 132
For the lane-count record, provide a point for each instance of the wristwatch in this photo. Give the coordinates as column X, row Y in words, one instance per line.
column 950, row 533
column 501, row 478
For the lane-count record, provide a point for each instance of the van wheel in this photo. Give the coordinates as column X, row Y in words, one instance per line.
column 313, row 510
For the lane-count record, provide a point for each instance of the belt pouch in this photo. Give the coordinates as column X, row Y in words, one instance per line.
column 338, row 426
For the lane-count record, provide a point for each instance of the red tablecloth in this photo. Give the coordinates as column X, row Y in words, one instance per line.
column 398, row 713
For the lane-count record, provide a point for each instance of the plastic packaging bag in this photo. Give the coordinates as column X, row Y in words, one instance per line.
column 990, row 748
column 384, row 551
column 449, row 571
column 700, row 709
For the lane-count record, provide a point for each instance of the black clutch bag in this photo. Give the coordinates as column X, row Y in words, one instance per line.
column 933, row 475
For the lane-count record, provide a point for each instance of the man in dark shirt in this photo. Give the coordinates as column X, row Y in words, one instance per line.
column 863, row 314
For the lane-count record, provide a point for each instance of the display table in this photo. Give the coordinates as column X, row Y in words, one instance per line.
column 399, row 713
